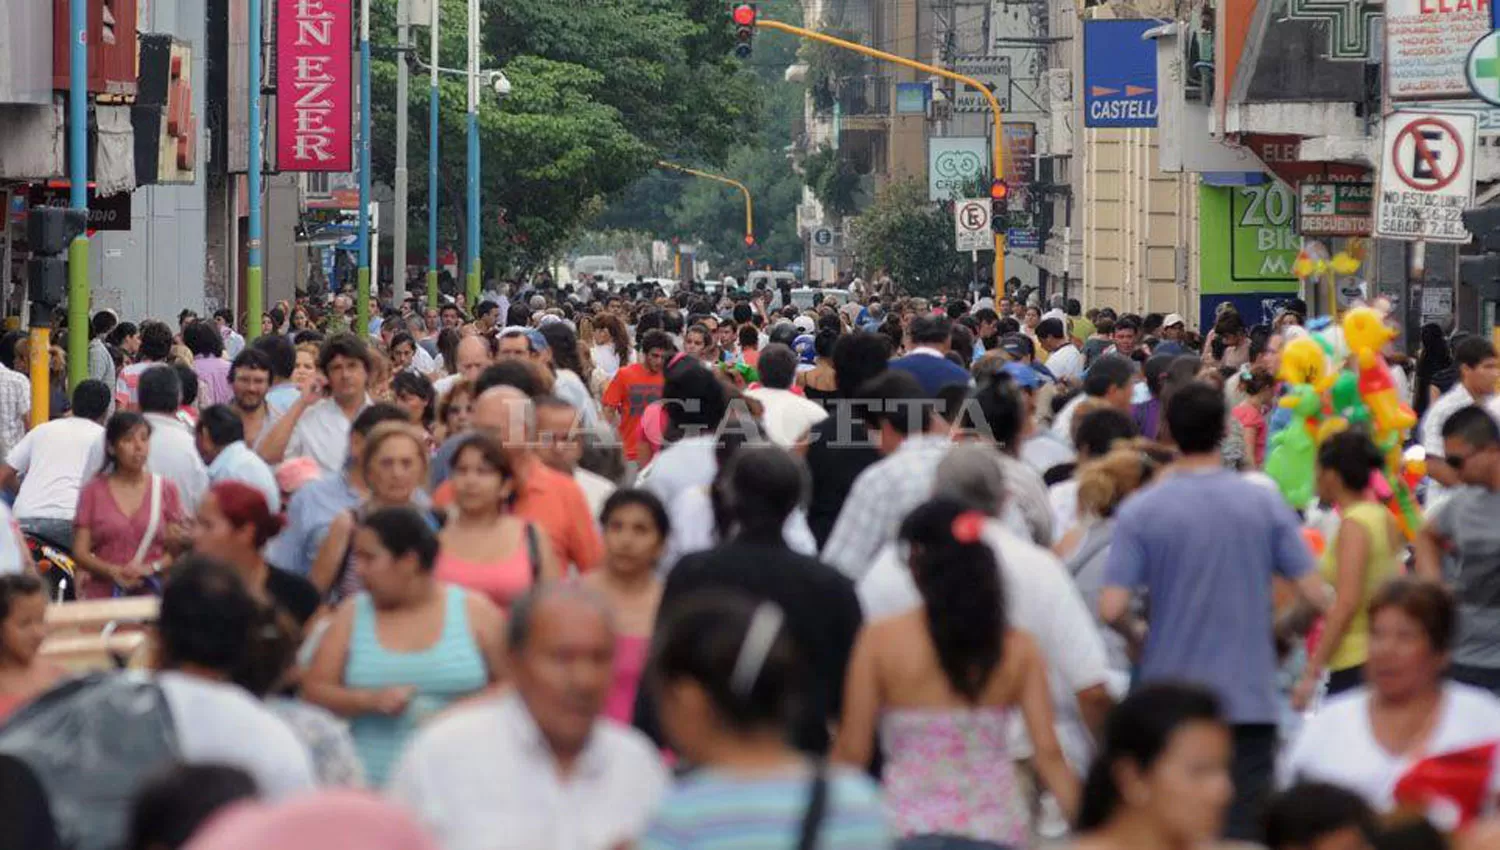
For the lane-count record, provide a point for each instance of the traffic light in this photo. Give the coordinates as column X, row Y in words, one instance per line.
column 1482, row 271
column 744, row 16
column 49, row 232
column 1484, row 223
column 999, row 206
column 749, row 240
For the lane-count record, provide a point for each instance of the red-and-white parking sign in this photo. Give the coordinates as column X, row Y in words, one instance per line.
column 1426, row 176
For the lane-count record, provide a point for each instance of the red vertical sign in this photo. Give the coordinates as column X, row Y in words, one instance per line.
column 314, row 85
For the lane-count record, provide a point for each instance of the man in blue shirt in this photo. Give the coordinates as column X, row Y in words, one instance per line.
column 929, row 340
column 221, row 444
column 312, row 509
column 1206, row 546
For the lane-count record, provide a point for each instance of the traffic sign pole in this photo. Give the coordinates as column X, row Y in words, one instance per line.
column 996, row 112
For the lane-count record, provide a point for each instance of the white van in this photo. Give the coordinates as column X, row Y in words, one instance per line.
column 769, row 280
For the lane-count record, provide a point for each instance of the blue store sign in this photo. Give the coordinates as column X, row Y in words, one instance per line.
column 1119, row 74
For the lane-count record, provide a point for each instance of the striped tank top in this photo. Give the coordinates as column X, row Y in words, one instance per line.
column 448, row 670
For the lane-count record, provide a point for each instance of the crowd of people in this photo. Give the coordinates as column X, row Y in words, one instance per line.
column 587, row 569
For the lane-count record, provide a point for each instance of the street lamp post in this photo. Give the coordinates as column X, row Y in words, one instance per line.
column 473, row 177
column 255, row 265
column 398, row 233
column 362, row 286
column 432, row 162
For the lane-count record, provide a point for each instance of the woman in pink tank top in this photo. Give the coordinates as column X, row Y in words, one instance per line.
column 635, row 536
column 483, row 546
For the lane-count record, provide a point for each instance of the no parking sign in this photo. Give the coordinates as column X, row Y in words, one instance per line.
column 971, row 225
column 1426, row 176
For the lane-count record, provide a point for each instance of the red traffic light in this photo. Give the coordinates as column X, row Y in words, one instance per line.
column 744, row 15
column 749, row 240
column 999, row 190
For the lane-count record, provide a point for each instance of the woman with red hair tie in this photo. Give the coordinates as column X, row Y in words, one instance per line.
column 234, row 525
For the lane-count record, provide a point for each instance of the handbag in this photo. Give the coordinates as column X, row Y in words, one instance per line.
column 153, row 524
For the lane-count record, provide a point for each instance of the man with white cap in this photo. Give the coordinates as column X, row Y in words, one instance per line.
column 1173, row 329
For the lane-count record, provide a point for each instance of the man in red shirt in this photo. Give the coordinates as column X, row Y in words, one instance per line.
column 636, row 387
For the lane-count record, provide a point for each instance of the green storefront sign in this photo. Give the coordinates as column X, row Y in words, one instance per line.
column 1247, row 239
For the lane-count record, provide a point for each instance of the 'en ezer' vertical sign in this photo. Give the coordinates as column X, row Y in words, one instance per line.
column 315, row 85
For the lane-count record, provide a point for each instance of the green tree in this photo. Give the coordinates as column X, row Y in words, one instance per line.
column 831, row 176
column 910, row 238
column 600, row 91
column 669, row 205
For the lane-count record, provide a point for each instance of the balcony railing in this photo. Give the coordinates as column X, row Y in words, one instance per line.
column 868, row 95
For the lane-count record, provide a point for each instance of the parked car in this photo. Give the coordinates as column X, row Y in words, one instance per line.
column 805, row 298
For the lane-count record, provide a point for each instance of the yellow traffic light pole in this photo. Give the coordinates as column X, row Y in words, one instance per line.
column 745, row 190
column 997, row 144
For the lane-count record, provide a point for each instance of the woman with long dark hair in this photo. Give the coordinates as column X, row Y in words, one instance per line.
column 754, row 495
column 730, row 680
column 939, row 685
column 485, row 546
column 125, row 514
column 701, row 516
column 1437, row 372
column 610, row 352
column 1161, row 778
column 405, row 648
column 694, row 402
column 1363, row 554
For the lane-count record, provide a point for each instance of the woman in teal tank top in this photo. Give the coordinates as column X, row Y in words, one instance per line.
column 406, row 648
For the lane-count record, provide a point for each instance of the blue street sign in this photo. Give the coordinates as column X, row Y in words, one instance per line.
column 1028, row 239
column 1119, row 74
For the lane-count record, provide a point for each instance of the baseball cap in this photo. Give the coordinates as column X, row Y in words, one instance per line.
column 1027, row 377
column 1173, row 319
column 1016, row 345
column 805, row 324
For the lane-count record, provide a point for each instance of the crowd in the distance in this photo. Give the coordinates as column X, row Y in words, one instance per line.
column 588, row 569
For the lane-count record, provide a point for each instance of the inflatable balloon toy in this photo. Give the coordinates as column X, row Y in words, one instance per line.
column 1292, row 459
column 1366, row 333
column 1347, row 406
column 1304, row 362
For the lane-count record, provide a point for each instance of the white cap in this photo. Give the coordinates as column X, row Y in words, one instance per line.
column 1173, row 319
column 805, row 324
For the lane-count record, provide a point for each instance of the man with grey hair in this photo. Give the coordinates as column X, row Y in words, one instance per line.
column 1056, row 308
column 538, row 766
column 1039, row 597
column 551, row 499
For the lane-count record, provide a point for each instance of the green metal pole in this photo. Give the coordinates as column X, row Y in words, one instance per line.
column 255, row 267
column 78, row 176
column 78, row 313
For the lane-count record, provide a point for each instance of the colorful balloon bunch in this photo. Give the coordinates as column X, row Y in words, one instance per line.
column 1325, row 399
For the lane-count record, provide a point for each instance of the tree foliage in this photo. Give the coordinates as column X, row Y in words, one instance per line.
column 601, row 89
column 833, row 179
column 670, row 205
column 910, row 238
column 829, row 66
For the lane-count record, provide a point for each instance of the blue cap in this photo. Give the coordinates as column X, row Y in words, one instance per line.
column 806, row 350
column 1027, row 377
